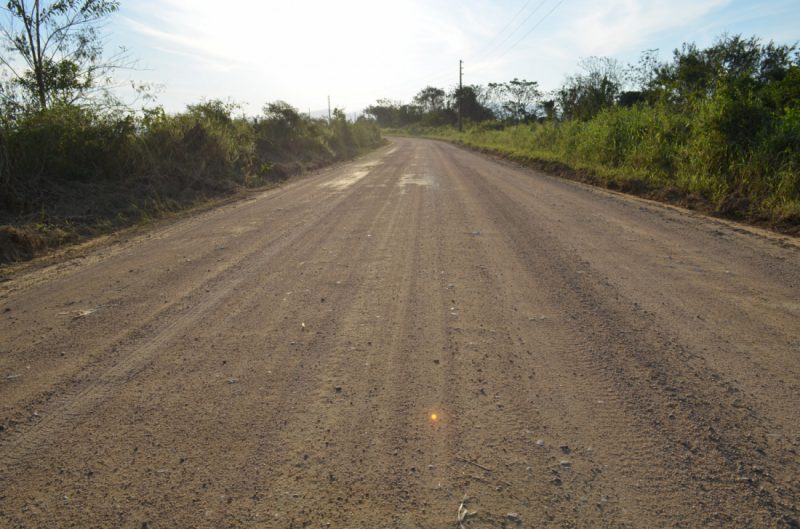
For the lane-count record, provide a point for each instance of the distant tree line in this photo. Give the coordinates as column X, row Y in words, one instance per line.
column 718, row 125
column 733, row 66
column 515, row 101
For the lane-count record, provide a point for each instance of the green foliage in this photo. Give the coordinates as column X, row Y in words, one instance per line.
column 728, row 151
column 341, row 138
column 205, row 149
column 80, row 168
column 585, row 94
column 64, row 142
column 719, row 125
column 433, row 107
column 283, row 134
column 393, row 114
column 731, row 63
column 56, row 50
column 516, row 99
column 783, row 94
column 430, row 99
column 474, row 104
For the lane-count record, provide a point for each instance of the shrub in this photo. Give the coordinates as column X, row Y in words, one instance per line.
column 71, row 169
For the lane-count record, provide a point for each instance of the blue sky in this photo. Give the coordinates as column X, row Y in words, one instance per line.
column 357, row 51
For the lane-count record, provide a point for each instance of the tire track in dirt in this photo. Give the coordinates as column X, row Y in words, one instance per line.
column 518, row 308
column 305, row 432
column 735, row 300
column 185, row 279
column 182, row 314
column 621, row 347
column 373, row 416
column 526, row 478
column 140, row 360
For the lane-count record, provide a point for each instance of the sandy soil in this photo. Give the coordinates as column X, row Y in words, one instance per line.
column 593, row 361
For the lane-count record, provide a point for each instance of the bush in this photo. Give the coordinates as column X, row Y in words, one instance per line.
column 729, row 149
column 71, row 170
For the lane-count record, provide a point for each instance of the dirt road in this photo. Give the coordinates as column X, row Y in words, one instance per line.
column 593, row 361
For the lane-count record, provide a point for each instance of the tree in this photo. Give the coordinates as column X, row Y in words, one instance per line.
column 731, row 63
column 56, row 49
column 394, row 113
column 283, row 113
column 431, row 102
column 583, row 95
column 430, row 98
column 341, row 138
column 642, row 78
column 473, row 103
column 384, row 111
column 516, row 99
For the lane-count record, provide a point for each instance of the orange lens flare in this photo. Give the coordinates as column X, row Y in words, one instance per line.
column 434, row 417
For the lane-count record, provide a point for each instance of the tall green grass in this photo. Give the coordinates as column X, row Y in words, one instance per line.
column 729, row 153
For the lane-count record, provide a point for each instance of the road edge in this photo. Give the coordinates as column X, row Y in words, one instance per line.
column 130, row 235
column 777, row 237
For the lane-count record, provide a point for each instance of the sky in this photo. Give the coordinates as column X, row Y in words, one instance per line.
column 358, row 51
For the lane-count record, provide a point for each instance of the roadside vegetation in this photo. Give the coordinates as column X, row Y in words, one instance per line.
column 716, row 128
column 76, row 162
column 70, row 172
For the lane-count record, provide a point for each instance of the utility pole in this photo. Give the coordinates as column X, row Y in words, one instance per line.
column 460, row 95
column 329, row 109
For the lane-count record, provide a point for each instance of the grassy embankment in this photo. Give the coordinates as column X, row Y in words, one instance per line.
column 729, row 159
column 69, row 173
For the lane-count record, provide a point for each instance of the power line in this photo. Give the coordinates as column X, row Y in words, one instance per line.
column 526, row 35
column 517, row 28
column 488, row 49
column 504, row 40
column 508, row 25
column 445, row 73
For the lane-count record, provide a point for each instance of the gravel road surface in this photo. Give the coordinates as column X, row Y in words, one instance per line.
column 592, row 360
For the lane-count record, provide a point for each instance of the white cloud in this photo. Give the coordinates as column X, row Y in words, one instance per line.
column 320, row 47
column 580, row 28
column 361, row 50
column 183, row 45
column 616, row 26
